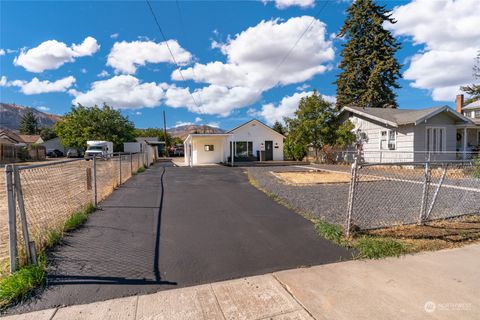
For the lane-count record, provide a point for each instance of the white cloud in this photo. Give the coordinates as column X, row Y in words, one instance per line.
column 126, row 57
column 35, row 86
column 122, row 92
column 253, row 56
column 253, row 65
column 214, row 124
column 138, row 113
column 198, row 119
column 213, row 99
column 182, row 123
column 283, row 4
column 3, row 81
column 114, row 35
column 303, row 87
column 43, row 108
column 286, row 108
column 83, row 70
column 2, row 52
column 52, row 54
column 450, row 32
column 103, row 74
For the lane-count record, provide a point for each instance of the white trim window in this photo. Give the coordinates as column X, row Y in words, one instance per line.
column 435, row 139
column 388, row 140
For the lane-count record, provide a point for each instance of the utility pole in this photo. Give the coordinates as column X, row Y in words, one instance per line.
column 165, row 133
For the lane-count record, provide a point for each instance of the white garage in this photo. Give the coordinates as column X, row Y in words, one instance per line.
column 251, row 141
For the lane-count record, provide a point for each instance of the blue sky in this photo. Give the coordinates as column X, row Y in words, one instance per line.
column 233, row 54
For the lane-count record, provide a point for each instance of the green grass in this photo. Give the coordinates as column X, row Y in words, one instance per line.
column 53, row 237
column 20, row 284
column 330, row 232
column 368, row 247
column 376, row 248
column 78, row 218
column 141, row 169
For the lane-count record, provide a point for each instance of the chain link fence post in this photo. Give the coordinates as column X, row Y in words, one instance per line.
column 94, row 176
column 131, row 165
column 12, row 219
column 351, row 197
column 426, row 186
column 120, row 168
column 31, row 257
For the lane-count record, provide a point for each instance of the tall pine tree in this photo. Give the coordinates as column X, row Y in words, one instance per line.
column 29, row 123
column 369, row 68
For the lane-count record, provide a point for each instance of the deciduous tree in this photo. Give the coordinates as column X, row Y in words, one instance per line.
column 83, row 123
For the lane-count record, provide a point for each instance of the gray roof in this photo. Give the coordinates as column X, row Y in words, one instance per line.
column 472, row 106
column 399, row 117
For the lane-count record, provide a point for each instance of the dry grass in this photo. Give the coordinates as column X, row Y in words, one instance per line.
column 435, row 235
column 317, row 177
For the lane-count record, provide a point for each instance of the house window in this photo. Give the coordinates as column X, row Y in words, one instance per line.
column 208, row 147
column 435, row 139
column 388, row 140
column 244, row 149
column 477, row 114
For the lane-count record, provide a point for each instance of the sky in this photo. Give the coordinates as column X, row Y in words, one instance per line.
column 232, row 60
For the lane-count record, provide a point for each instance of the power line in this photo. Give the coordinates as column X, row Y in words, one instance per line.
column 184, row 34
column 169, row 49
column 300, row 38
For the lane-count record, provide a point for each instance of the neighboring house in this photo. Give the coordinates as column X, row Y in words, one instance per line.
column 54, row 144
column 29, row 139
column 471, row 110
column 10, row 137
column 251, row 141
column 143, row 143
column 389, row 135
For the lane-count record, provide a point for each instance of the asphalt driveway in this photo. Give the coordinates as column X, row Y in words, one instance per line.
column 172, row 227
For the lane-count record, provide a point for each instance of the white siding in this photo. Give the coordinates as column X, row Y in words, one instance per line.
column 371, row 145
column 200, row 156
column 442, row 121
column 257, row 133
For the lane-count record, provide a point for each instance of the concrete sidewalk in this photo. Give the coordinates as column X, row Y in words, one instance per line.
column 434, row 285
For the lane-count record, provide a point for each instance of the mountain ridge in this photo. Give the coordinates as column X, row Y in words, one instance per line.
column 11, row 115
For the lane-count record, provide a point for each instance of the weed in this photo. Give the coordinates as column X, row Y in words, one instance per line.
column 330, row 232
column 18, row 285
column 375, row 248
column 141, row 169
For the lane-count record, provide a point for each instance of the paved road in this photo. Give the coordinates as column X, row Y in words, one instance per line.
column 173, row 227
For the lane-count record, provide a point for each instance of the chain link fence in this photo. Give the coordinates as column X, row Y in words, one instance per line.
column 348, row 156
column 36, row 199
column 384, row 195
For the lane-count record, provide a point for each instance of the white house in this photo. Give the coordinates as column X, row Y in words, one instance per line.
column 251, row 141
column 390, row 135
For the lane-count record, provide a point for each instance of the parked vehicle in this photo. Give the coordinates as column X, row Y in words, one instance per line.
column 98, row 148
column 55, row 153
column 74, row 153
column 179, row 152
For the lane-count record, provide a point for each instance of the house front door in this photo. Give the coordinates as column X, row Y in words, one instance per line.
column 268, row 150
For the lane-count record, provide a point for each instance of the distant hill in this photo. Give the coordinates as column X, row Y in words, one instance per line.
column 11, row 115
column 183, row 131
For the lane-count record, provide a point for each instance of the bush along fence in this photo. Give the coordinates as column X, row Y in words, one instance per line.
column 392, row 194
column 37, row 200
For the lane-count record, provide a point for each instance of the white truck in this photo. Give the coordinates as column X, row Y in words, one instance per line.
column 99, row 149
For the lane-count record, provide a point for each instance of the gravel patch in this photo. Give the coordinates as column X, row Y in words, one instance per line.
column 395, row 199
column 327, row 201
